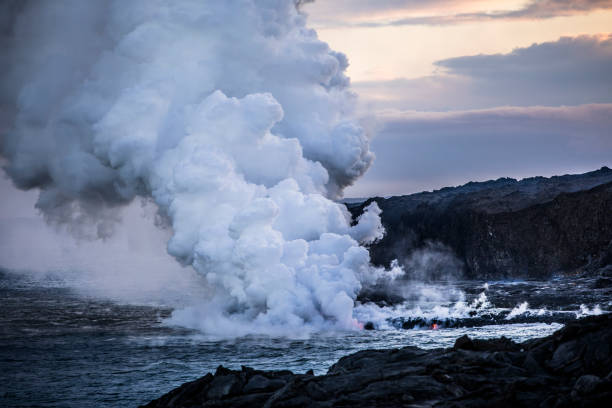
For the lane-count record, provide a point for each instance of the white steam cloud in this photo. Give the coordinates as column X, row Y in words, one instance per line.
column 231, row 115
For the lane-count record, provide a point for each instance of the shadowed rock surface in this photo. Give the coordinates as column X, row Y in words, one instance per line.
column 503, row 228
column 571, row 368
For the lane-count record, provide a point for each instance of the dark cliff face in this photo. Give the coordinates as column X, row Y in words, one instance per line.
column 505, row 228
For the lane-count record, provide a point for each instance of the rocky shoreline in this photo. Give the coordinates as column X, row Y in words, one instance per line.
column 571, row 368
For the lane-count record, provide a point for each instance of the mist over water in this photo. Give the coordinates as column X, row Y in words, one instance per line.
column 231, row 117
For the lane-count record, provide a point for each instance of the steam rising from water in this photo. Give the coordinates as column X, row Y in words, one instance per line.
column 232, row 116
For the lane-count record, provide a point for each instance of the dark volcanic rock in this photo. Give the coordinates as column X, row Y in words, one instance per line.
column 504, row 228
column 571, row 368
column 481, row 320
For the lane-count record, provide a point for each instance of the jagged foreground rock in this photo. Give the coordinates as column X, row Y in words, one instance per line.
column 571, row 368
column 504, row 228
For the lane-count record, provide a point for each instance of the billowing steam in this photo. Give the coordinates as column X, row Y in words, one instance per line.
column 231, row 115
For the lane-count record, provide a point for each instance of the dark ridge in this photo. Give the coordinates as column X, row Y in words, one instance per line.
column 505, row 228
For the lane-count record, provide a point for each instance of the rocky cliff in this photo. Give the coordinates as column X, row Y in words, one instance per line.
column 571, row 368
column 503, row 228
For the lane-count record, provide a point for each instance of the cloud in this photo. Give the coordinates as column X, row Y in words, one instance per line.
column 426, row 150
column 583, row 57
column 570, row 71
column 554, row 8
column 360, row 8
column 371, row 13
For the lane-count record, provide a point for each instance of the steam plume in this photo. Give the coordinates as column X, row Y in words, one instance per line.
column 231, row 115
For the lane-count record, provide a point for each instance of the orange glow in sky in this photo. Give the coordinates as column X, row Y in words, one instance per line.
column 409, row 51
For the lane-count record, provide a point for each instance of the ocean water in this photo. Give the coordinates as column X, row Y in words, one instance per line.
column 59, row 348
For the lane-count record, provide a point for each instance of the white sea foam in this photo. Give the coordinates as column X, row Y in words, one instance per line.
column 518, row 310
column 585, row 311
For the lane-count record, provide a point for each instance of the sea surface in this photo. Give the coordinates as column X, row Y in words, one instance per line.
column 59, row 348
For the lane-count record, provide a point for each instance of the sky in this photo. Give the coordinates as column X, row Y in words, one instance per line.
column 458, row 91
column 217, row 134
column 450, row 92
